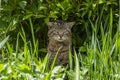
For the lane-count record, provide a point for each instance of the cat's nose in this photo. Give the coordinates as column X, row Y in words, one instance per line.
column 61, row 35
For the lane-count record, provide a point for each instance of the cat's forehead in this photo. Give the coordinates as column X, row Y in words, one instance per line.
column 59, row 24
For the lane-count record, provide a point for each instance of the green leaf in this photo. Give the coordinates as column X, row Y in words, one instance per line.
column 43, row 50
column 82, row 49
column 22, row 4
column 57, row 73
column 1, row 67
column 25, row 68
column 3, row 42
column 28, row 16
column 7, row 8
column 77, row 69
column 42, row 7
column 40, row 16
column 101, row 1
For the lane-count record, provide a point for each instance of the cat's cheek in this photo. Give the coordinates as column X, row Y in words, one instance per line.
column 52, row 38
column 55, row 38
column 66, row 38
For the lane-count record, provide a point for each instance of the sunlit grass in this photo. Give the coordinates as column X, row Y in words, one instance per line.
column 101, row 60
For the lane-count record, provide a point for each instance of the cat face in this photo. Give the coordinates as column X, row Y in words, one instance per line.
column 61, row 35
column 60, row 31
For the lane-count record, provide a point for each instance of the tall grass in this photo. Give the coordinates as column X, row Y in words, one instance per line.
column 101, row 61
column 103, row 54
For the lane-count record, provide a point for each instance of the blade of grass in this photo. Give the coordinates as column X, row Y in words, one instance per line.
column 3, row 42
column 54, row 60
column 119, row 28
column 70, row 59
column 111, row 25
column 35, row 52
column 26, row 49
column 10, row 51
column 17, row 45
column 77, row 70
column 32, row 31
column 53, row 63
column 45, row 63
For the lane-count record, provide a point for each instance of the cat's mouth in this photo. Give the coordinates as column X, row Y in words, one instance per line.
column 59, row 39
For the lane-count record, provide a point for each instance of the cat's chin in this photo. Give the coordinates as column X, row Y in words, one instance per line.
column 60, row 40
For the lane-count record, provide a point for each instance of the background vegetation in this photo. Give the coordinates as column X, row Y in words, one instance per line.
column 96, row 39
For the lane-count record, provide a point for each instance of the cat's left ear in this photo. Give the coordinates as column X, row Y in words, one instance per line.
column 70, row 24
column 50, row 25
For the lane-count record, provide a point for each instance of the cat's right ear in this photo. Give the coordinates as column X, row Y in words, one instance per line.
column 50, row 25
column 70, row 24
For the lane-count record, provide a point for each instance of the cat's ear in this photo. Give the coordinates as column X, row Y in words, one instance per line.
column 50, row 25
column 70, row 24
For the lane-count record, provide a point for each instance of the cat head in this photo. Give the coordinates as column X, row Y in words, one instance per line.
column 60, row 31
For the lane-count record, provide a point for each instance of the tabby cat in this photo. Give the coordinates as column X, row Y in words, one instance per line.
column 59, row 36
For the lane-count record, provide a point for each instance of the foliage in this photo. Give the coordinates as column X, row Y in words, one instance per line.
column 96, row 39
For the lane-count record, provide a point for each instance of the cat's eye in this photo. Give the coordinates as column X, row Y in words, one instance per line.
column 55, row 33
column 66, row 32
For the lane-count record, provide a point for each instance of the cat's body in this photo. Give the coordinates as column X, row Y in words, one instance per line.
column 59, row 36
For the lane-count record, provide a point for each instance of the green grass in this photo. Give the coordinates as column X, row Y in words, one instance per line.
column 101, row 60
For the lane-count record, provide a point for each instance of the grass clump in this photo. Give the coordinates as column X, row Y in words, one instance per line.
column 97, row 59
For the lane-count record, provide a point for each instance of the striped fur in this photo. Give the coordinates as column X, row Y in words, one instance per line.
column 59, row 35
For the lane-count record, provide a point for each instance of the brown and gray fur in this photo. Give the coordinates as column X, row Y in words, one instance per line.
column 59, row 36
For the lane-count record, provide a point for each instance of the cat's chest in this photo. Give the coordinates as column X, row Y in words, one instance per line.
column 55, row 47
